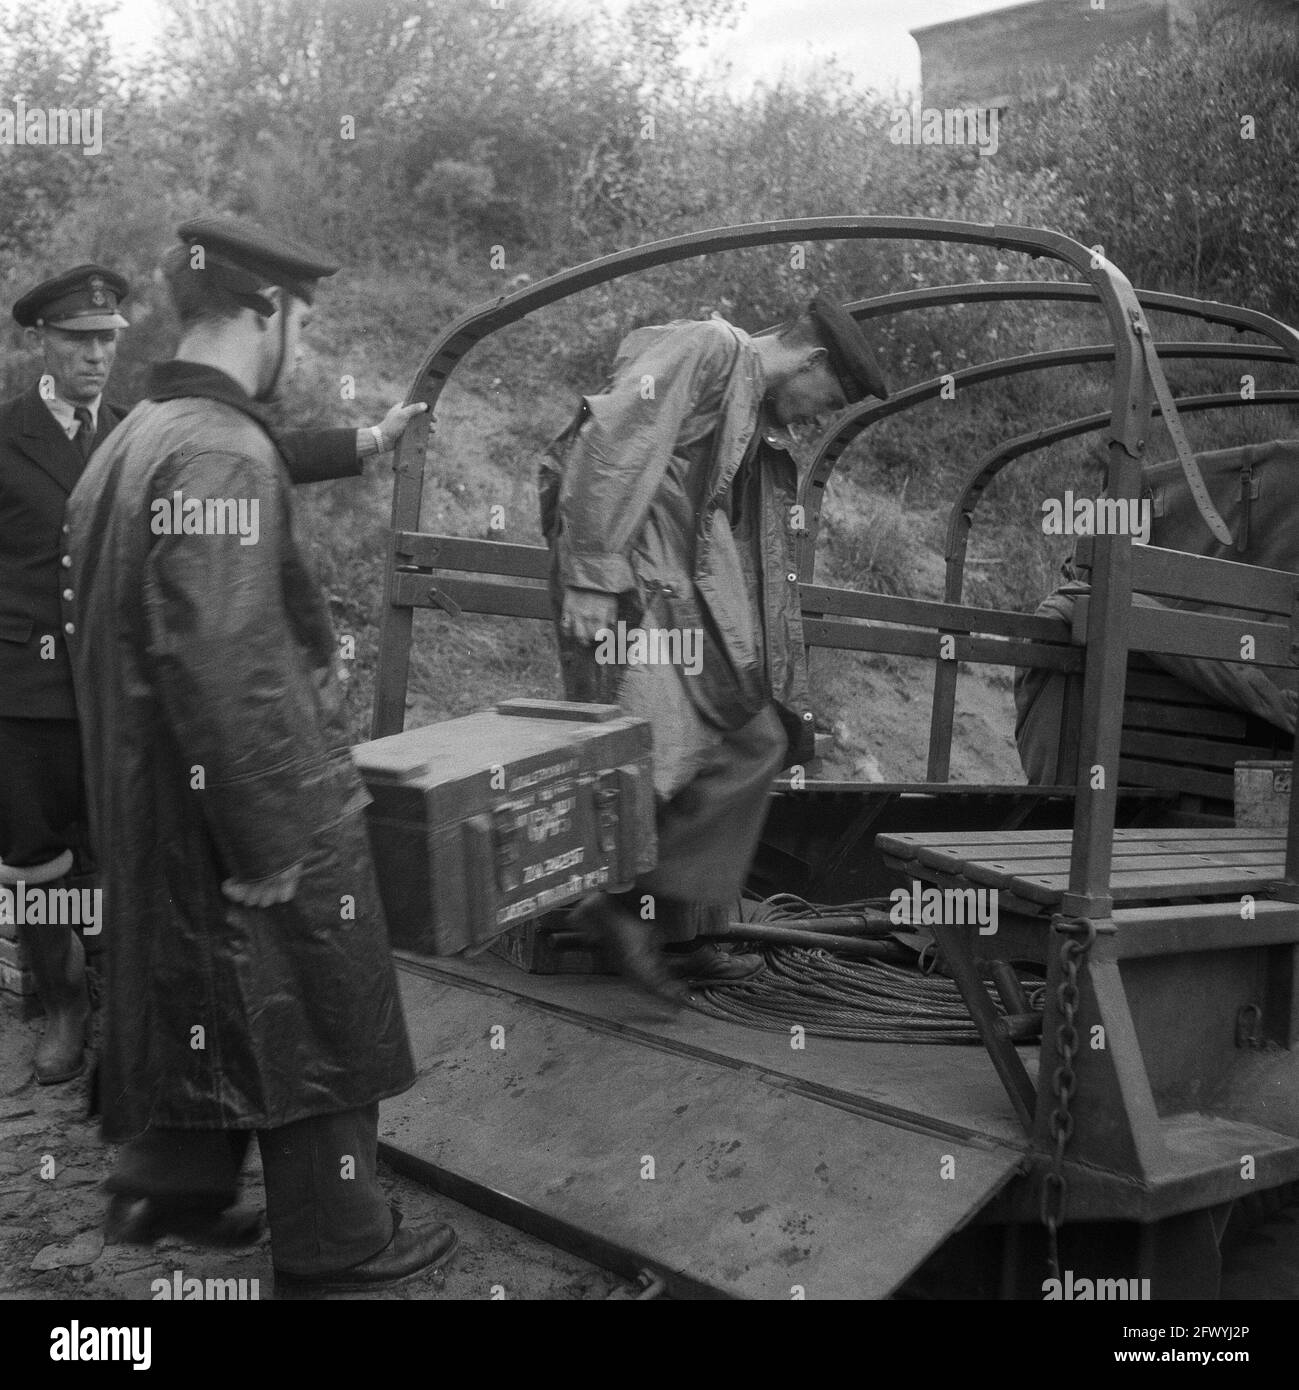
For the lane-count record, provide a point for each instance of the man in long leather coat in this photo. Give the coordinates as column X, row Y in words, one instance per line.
column 249, row 985
column 668, row 504
column 73, row 320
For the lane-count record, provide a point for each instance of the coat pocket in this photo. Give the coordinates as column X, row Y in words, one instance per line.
column 16, row 628
column 726, row 696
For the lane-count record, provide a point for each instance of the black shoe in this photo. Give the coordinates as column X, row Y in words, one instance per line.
column 143, row 1220
column 708, row 964
column 412, row 1250
column 631, row 945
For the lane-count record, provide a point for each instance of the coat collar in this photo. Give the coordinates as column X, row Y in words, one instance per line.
column 174, row 380
column 178, row 379
column 41, row 438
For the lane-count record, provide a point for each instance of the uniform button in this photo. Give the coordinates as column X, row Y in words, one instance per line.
column 66, row 528
column 66, row 562
column 69, row 628
column 67, row 593
column 792, row 577
column 807, row 716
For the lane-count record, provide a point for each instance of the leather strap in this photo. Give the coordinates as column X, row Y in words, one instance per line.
column 1194, row 480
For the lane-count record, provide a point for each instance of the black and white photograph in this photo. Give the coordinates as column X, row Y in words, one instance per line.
column 649, row 651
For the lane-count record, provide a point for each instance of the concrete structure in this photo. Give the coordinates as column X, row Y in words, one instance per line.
column 995, row 58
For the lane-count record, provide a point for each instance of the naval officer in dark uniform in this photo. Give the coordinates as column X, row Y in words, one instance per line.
column 46, row 436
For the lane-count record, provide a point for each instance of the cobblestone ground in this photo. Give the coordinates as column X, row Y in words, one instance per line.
column 52, row 1161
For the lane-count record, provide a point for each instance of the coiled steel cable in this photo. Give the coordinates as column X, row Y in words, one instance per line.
column 858, row 1001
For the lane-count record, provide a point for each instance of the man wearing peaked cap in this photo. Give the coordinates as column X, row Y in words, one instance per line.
column 239, row 260
column 46, row 434
column 247, row 256
column 83, row 299
column 849, row 354
column 240, row 899
column 667, row 504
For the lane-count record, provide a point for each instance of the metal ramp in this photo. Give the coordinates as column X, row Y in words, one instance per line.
column 776, row 1173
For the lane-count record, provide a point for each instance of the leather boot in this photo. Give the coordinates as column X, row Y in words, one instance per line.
column 630, row 942
column 58, row 961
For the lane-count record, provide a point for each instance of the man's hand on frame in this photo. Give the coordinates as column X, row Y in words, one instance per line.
column 380, row 438
column 265, row 892
column 586, row 611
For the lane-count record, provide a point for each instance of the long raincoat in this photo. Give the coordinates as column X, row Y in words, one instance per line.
column 215, row 749
column 672, row 490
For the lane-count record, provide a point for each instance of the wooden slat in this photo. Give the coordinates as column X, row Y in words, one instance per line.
column 1162, row 931
column 1010, row 855
column 1165, row 573
column 1188, row 780
column 474, row 556
column 1204, row 635
column 1176, row 633
column 844, row 635
column 1203, row 579
column 526, row 562
column 1167, row 869
column 821, row 601
column 508, row 598
column 1204, row 752
column 1143, row 885
column 1158, row 685
column 920, row 839
column 1140, row 885
column 1169, row 865
column 1187, row 719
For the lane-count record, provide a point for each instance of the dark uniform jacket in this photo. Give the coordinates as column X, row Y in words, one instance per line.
column 215, row 748
column 671, row 488
column 39, row 466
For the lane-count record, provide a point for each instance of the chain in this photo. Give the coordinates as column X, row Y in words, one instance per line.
column 1080, row 933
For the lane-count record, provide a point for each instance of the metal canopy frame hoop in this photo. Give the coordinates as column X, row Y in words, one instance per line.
column 860, row 417
column 1130, row 408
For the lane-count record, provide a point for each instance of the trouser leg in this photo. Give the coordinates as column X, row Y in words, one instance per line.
column 42, row 799
column 709, row 831
column 42, row 815
column 198, row 1166
column 680, row 923
column 324, row 1204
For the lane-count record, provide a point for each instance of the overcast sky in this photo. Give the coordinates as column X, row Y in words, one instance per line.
column 869, row 36
column 774, row 37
